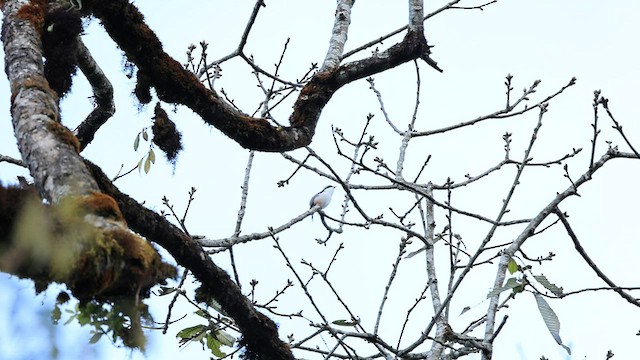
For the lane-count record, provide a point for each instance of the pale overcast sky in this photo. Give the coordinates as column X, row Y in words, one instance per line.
column 553, row 41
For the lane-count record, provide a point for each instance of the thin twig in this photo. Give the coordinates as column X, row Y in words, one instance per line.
column 102, row 94
column 596, row 97
column 617, row 126
column 590, row 262
column 379, row 40
column 185, row 273
column 392, row 276
column 243, row 39
column 10, row 160
column 503, row 113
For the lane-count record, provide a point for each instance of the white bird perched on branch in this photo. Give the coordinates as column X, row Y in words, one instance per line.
column 322, row 199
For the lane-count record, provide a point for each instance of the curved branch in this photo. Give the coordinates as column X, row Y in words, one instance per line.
column 227, row 243
column 590, row 262
column 102, row 92
column 259, row 332
column 173, row 84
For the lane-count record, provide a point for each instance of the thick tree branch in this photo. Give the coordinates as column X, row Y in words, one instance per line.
column 416, row 13
column 42, row 140
column 103, row 258
column 259, row 332
column 339, row 35
column 173, row 84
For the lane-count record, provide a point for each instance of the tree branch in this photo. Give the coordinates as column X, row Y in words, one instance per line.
column 173, row 84
column 259, row 332
column 102, row 92
column 535, row 222
column 243, row 40
column 339, row 35
column 106, row 260
column 590, row 262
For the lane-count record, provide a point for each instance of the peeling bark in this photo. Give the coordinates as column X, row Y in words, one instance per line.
column 42, row 140
column 106, row 259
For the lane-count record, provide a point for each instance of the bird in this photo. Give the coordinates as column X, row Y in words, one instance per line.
column 322, row 199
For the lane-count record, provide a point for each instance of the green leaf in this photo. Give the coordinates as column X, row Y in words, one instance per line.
column 214, row 345
column 83, row 318
column 551, row 320
column 147, row 165
column 166, row 290
column 190, row 332
column 512, row 267
column 56, row 314
column 140, row 165
column 510, row 284
column 214, row 304
column 203, row 314
column 152, row 156
column 136, row 142
column 345, row 322
column 95, row 338
column 225, row 338
column 556, row 290
column 145, row 136
column 201, row 336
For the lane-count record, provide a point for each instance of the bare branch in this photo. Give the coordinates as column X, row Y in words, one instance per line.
column 243, row 39
column 260, row 333
column 590, row 262
column 245, row 192
column 379, row 40
column 10, row 160
column 226, row 243
column 616, row 125
column 477, row 7
column 339, row 35
column 176, row 85
column 594, row 125
column 504, row 113
column 372, row 86
column 103, row 96
column 535, row 222
column 392, row 276
column 432, row 278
